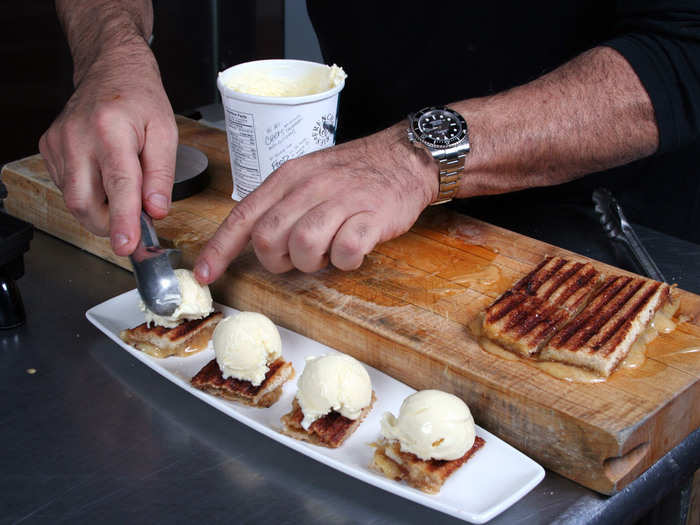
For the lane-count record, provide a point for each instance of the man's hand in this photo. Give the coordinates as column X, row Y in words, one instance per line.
column 113, row 146
column 333, row 205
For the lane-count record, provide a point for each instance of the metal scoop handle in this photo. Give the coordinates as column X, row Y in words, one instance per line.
column 155, row 277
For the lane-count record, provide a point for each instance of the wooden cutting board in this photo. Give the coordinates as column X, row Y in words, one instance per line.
column 406, row 310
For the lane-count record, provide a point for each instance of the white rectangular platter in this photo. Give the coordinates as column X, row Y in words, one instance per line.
column 491, row 481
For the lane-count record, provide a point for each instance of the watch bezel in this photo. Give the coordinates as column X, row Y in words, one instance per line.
column 430, row 142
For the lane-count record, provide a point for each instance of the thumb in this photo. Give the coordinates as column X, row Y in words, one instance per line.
column 158, row 167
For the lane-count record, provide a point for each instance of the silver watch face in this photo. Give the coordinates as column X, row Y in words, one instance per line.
column 438, row 127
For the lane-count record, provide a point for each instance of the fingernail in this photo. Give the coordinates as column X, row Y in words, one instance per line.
column 159, row 200
column 120, row 240
column 202, row 270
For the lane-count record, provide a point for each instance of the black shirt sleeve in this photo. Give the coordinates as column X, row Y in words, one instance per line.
column 661, row 41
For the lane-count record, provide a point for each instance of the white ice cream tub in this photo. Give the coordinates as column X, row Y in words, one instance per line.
column 264, row 132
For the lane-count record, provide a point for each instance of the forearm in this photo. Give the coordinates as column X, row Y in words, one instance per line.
column 100, row 28
column 588, row 115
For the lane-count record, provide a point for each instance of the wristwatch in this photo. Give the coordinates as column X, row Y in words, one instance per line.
column 443, row 133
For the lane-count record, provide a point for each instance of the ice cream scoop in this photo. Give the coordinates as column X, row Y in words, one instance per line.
column 195, row 302
column 155, row 279
column 245, row 344
column 432, row 425
column 333, row 382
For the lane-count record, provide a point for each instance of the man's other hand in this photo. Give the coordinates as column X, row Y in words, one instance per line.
column 332, row 206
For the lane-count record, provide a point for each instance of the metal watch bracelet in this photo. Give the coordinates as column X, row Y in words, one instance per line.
column 451, row 168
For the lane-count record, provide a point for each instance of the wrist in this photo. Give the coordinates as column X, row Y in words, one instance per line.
column 131, row 61
column 415, row 160
column 111, row 40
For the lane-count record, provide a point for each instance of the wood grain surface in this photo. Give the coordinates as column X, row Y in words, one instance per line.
column 406, row 311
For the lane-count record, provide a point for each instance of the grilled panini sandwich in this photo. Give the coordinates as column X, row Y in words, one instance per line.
column 525, row 317
column 602, row 334
column 426, row 475
column 187, row 338
column 329, row 431
column 210, row 380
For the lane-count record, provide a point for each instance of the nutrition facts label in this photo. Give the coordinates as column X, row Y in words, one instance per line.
column 243, row 149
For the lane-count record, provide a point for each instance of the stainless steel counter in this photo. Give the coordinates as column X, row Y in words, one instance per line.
column 93, row 435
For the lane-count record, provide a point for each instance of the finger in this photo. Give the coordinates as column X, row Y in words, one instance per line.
column 158, row 167
column 311, row 236
column 47, row 152
column 84, row 194
column 121, row 178
column 233, row 234
column 356, row 238
column 271, row 233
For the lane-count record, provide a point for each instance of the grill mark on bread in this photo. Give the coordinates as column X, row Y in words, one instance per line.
column 331, row 430
column 556, row 278
column 528, row 320
column 563, row 282
column 517, row 322
column 186, row 338
column 562, row 312
column 524, row 318
column 504, row 305
column 585, row 325
column 609, row 302
column 614, row 337
column 617, row 334
column 210, row 380
column 577, row 287
column 537, row 277
column 210, row 375
column 605, row 330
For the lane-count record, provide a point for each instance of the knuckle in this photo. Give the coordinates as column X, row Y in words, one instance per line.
column 240, row 213
column 305, row 239
column 104, row 119
column 70, row 129
column 262, row 241
column 310, row 185
column 268, row 223
column 314, row 220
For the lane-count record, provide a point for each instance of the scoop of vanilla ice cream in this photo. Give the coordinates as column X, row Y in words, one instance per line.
column 432, row 425
column 196, row 302
column 274, row 82
column 333, row 382
column 245, row 344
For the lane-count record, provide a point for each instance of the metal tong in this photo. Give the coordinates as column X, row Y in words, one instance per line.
column 619, row 230
column 155, row 277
